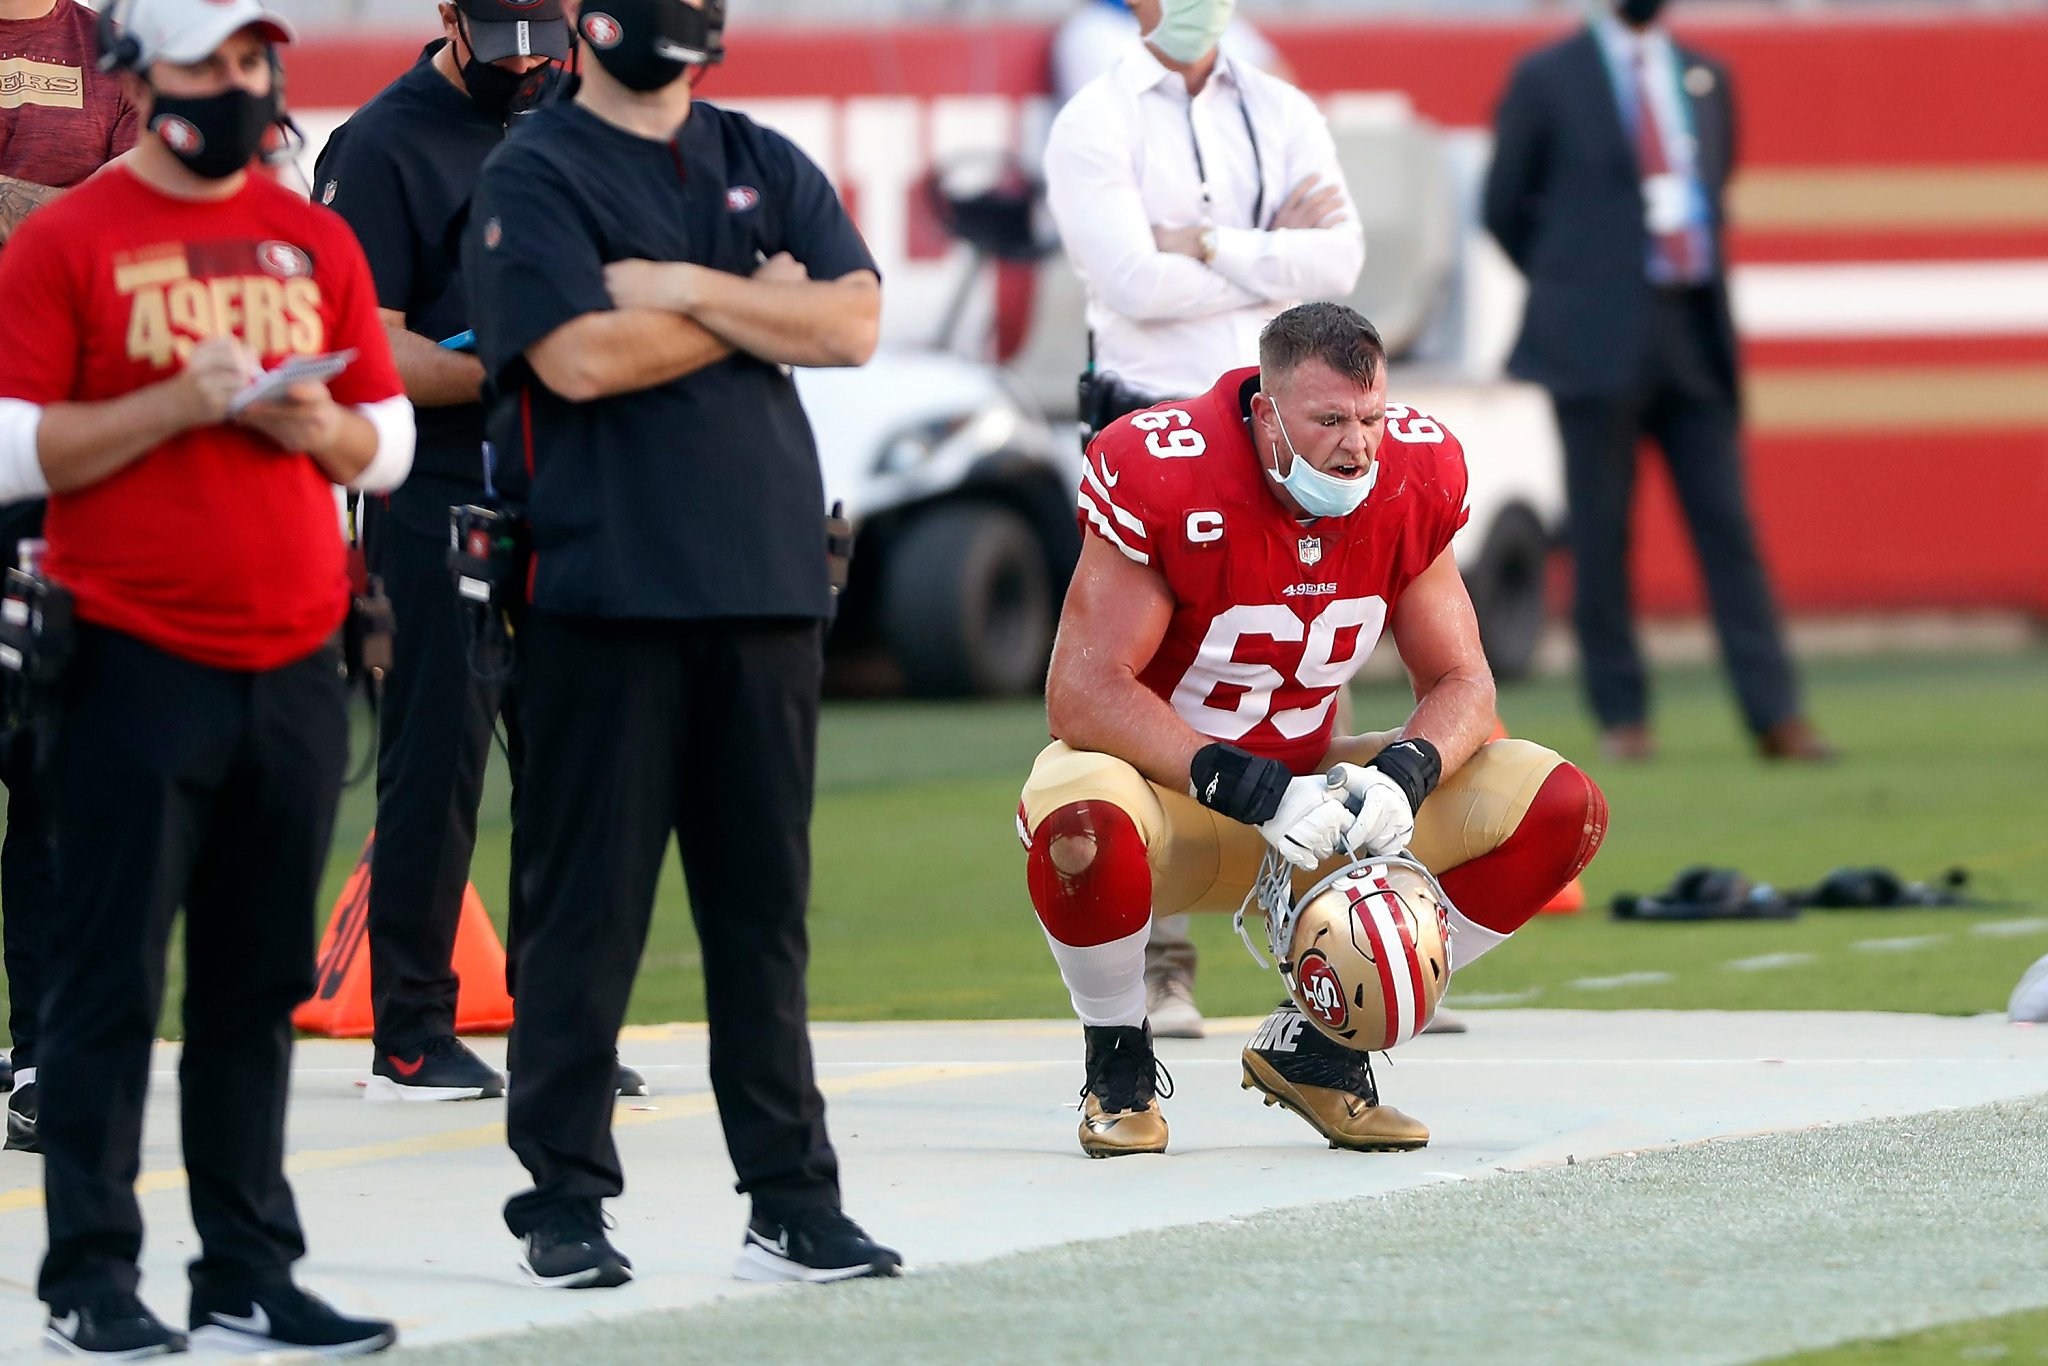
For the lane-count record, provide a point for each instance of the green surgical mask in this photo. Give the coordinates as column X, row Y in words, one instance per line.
column 1190, row 29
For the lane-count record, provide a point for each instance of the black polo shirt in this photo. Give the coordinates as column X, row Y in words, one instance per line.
column 696, row 498
column 402, row 171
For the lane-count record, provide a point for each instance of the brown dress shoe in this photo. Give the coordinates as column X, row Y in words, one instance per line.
column 1796, row 740
column 1631, row 744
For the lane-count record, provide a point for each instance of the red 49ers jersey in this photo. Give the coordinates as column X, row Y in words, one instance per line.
column 1271, row 615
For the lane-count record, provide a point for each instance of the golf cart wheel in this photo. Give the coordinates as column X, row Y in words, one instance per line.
column 1507, row 587
column 967, row 605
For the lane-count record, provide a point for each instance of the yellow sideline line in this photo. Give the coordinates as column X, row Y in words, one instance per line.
column 493, row 1134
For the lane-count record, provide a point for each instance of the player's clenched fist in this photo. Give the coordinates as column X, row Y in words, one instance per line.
column 1301, row 817
column 1378, row 818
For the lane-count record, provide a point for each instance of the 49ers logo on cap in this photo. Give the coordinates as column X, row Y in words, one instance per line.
column 1321, row 993
column 740, row 198
column 602, row 30
column 179, row 135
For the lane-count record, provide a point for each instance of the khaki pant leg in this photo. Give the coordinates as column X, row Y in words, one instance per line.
column 1475, row 809
column 1200, row 861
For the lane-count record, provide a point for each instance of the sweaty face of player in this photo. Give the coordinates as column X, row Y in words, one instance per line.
column 1333, row 422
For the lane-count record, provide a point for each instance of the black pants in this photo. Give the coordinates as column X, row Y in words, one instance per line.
column 636, row 732
column 434, row 742
column 28, row 889
column 180, row 784
column 1683, row 404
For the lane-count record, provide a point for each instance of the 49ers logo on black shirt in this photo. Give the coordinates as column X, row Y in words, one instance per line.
column 602, row 30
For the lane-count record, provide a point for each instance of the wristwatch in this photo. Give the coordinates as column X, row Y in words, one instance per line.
column 1207, row 243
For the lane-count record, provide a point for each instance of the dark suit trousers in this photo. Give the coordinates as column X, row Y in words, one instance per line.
column 639, row 732
column 28, row 890
column 174, row 784
column 1680, row 402
column 434, row 742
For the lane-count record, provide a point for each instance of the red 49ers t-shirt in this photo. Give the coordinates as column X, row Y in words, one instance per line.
column 1271, row 616
column 60, row 118
column 218, row 546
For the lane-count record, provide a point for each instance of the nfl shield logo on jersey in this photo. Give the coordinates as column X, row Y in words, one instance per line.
column 1310, row 548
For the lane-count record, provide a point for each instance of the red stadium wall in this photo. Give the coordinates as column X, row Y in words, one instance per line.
column 1890, row 468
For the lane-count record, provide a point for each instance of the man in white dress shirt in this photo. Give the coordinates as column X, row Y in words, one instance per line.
column 1197, row 196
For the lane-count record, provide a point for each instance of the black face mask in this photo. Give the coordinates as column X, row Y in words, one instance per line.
column 214, row 135
column 1639, row 13
column 497, row 93
column 647, row 44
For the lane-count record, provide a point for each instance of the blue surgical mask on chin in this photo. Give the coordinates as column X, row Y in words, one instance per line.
column 1322, row 495
column 1190, row 29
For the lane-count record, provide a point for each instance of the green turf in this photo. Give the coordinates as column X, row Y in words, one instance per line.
column 2012, row 1338
column 920, row 909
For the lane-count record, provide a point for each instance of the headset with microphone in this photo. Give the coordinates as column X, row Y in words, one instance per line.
column 120, row 50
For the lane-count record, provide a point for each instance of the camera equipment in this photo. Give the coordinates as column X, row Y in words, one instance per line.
column 36, row 642
column 488, row 553
column 838, row 548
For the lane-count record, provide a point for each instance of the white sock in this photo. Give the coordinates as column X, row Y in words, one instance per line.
column 25, row 1077
column 1106, row 981
column 1469, row 940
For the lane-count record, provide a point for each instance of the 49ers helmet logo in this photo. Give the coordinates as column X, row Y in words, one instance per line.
column 179, row 135
column 1322, row 995
column 602, row 30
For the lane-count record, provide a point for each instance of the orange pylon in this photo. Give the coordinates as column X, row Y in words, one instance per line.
column 340, row 1005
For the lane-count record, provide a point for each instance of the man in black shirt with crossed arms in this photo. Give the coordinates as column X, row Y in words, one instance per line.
column 643, row 270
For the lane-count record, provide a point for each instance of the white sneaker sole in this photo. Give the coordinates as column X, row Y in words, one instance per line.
column 227, row 1340
column 590, row 1278
column 383, row 1089
column 56, row 1342
column 757, row 1263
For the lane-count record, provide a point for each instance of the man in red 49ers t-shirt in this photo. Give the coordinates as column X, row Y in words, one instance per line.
column 1243, row 551
column 202, row 727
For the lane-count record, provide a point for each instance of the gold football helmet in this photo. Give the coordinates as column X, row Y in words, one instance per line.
column 1364, row 951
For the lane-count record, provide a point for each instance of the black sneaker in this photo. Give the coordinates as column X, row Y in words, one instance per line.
column 631, row 1083
column 571, row 1252
column 22, row 1107
column 439, row 1069
column 117, row 1327
column 812, row 1245
column 283, row 1318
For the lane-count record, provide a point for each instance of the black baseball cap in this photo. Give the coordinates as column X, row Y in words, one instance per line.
column 516, row 28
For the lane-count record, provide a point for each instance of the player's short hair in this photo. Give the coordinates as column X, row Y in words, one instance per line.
column 1338, row 336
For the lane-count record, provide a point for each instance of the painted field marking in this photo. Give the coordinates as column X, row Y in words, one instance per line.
column 1905, row 943
column 1624, row 979
column 2001, row 929
column 1765, row 962
column 1494, row 998
column 493, row 1134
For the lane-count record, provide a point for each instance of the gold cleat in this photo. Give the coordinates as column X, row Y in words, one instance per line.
column 1120, row 1099
column 1106, row 1133
column 1295, row 1065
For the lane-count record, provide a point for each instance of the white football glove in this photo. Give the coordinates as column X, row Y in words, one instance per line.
column 1309, row 826
column 1385, row 822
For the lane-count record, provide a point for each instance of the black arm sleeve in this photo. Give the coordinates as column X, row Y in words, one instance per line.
column 1514, row 180
column 815, row 227
column 531, row 259
column 357, row 178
